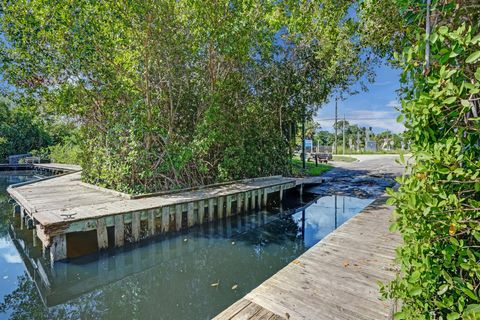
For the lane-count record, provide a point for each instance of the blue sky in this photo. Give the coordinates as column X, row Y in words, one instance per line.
column 374, row 108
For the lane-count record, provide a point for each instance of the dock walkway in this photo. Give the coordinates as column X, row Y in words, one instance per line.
column 64, row 205
column 335, row 279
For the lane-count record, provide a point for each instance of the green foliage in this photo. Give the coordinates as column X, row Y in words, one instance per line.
column 438, row 203
column 175, row 93
column 20, row 131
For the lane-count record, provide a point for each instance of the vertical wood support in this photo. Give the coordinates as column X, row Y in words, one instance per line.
column 178, row 216
column 220, row 211
column 229, row 206
column 211, row 209
column 119, row 230
column 280, row 193
column 239, row 202
column 151, row 222
column 301, row 189
column 201, row 211
column 165, row 219
column 136, row 226
column 58, row 249
column 259, row 199
column 190, row 214
column 102, row 235
column 34, row 236
column 22, row 218
column 264, row 198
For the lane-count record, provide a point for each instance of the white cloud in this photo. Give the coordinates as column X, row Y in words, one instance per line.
column 379, row 120
column 394, row 104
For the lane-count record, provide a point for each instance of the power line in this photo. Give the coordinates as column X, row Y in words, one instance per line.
column 325, row 119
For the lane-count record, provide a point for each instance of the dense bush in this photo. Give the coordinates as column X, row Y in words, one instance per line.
column 438, row 203
column 20, row 131
column 176, row 93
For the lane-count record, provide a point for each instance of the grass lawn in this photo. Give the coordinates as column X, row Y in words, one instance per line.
column 311, row 169
column 344, row 158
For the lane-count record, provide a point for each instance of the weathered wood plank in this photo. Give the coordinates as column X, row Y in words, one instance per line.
column 336, row 278
column 151, row 223
column 211, row 209
column 58, row 249
column 119, row 230
column 201, row 211
column 102, row 236
column 191, row 221
column 220, row 207
column 229, row 205
column 178, row 216
column 165, row 219
column 135, row 226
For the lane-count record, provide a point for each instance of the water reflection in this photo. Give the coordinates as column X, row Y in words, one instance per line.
column 170, row 277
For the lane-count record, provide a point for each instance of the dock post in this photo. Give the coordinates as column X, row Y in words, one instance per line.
column 16, row 209
column 259, row 199
column 151, row 222
column 301, row 189
column 220, row 211
column 178, row 216
column 239, row 202
column 280, row 193
column 190, row 214
column 34, row 237
column 22, row 218
column 58, row 248
column 229, row 206
column 211, row 208
column 136, row 226
column 264, row 198
column 102, row 235
column 165, row 219
column 119, row 229
column 201, row 211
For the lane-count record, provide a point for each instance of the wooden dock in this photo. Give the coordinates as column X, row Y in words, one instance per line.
column 58, row 209
column 335, row 279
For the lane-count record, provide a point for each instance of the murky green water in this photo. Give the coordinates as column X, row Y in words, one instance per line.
column 192, row 275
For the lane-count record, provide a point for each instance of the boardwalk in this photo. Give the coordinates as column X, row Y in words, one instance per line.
column 64, row 205
column 335, row 279
column 58, row 167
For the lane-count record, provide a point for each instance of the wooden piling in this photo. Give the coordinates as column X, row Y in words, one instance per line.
column 119, row 230
column 211, row 209
column 280, row 193
column 220, row 210
column 201, row 211
column 165, row 219
column 151, row 222
column 135, row 226
column 58, row 249
column 102, row 235
column 265, row 197
column 229, row 206
column 239, row 202
column 191, row 221
column 259, row 199
column 178, row 216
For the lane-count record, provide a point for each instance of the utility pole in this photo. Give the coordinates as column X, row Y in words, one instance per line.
column 343, row 132
column 303, row 140
column 336, row 115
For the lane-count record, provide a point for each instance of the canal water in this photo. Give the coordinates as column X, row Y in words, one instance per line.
column 191, row 275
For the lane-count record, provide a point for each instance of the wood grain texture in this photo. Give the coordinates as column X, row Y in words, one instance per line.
column 335, row 279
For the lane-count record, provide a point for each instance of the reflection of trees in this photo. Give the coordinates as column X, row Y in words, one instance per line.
column 25, row 303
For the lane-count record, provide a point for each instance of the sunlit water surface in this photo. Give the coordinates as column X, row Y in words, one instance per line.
column 191, row 275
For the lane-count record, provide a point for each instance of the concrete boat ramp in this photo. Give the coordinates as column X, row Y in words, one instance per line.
column 62, row 209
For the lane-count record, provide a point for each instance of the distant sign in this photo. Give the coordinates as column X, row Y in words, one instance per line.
column 308, row 143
